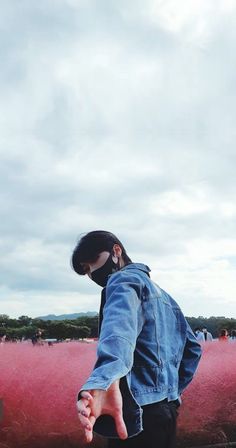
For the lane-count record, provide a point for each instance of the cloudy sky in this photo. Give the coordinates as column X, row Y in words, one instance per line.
column 118, row 115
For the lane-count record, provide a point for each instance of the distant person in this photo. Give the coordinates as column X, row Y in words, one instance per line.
column 207, row 335
column 233, row 336
column 34, row 339
column 147, row 353
column 223, row 337
column 199, row 335
column 37, row 338
column 3, row 338
column 39, row 335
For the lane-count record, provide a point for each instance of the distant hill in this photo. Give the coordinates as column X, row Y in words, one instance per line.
column 67, row 316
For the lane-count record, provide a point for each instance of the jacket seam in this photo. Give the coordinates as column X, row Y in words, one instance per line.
column 116, row 337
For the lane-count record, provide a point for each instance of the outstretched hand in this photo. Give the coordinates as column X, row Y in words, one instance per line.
column 98, row 402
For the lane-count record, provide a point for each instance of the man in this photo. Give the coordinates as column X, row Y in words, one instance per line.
column 207, row 335
column 199, row 335
column 146, row 356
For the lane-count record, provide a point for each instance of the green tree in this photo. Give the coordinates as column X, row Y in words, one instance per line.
column 83, row 332
column 4, row 318
column 24, row 320
column 57, row 329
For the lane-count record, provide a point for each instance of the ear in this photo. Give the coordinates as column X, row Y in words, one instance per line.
column 117, row 251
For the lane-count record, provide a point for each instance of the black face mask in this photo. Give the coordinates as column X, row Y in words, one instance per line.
column 100, row 275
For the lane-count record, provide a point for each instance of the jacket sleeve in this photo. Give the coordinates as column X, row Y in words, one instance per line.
column 190, row 359
column 122, row 322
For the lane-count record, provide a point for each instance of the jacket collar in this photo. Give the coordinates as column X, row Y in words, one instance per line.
column 139, row 266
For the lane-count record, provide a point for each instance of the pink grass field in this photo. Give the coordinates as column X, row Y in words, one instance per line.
column 208, row 411
column 39, row 387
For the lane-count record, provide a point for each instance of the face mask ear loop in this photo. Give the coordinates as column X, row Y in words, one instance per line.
column 118, row 261
column 118, row 264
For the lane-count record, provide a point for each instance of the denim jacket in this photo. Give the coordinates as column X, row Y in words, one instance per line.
column 146, row 342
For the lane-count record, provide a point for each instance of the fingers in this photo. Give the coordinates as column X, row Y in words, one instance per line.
column 85, row 426
column 86, row 394
column 83, row 407
column 92, row 420
column 86, row 420
column 83, row 413
column 88, row 436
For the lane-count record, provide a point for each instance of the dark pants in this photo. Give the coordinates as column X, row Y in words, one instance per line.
column 159, row 428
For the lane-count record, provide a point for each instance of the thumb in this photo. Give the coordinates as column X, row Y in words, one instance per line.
column 120, row 426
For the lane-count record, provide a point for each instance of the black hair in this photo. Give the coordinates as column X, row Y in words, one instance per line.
column 233, row 334
column 223, row 332
column 91, row 245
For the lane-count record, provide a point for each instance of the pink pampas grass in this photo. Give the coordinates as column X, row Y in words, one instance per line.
column 208, row 412
column 39, row 388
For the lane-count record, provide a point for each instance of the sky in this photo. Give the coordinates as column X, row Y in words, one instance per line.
column 117, row 115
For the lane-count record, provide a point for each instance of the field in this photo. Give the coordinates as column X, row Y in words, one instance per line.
column 39, row 385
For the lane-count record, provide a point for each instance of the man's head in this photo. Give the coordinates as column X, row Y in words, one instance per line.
column 99, row 254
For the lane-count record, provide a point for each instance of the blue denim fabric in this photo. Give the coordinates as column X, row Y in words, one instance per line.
column 144, row 339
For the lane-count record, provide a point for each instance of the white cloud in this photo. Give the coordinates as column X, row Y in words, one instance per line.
column 120, row 117
column 178, row 203
column 194, row 21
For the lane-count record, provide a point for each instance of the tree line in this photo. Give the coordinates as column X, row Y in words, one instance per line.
column 84, row 327
column 26, row 327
